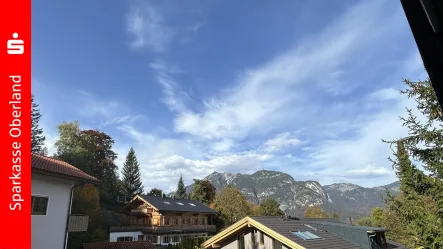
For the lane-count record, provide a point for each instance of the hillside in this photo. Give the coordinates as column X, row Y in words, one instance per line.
column 344, row 198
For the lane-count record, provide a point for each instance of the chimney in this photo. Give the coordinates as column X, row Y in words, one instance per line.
column 350, row 220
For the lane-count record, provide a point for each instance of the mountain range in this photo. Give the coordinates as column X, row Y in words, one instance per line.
column 345, row 199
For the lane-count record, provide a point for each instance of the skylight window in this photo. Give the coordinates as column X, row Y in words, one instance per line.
column 179, row 203
column 166, row 202
column 192, row 204
column 306, row 235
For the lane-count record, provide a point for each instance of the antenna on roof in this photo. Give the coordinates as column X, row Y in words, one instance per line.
column 283, row 207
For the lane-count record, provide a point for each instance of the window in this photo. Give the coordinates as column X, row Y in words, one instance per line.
column 167, row 221
column 39, row 205
column 140, row 221
column 175, row 239
column 202, row 221
column 153, row 239
column 194, row 221
column 241, row 242
column 141, row 237
column 253, row 239
column 128, row 238
column 306, row 235
column 166, row 239
column 174, row 221
column 262, row 238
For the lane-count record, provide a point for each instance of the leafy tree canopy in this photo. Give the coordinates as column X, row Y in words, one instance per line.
column 232, row 205
column 315, row 212
column 203, row 191
column 270, row 207
column 155, row 192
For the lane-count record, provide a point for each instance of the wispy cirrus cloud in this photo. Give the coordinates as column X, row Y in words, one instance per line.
column 267, row 97
column 315, row 106
column 309, row 88
column 148, row 28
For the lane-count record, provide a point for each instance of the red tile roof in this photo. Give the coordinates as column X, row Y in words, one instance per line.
column 65, row 169
column 120, row 245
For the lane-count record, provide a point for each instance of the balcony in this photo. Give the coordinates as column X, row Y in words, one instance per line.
column 140, row 212
column 78, row 223
column 165, row 229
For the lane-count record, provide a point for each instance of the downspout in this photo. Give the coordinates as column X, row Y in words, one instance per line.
column 69, row 214
column 372, row 241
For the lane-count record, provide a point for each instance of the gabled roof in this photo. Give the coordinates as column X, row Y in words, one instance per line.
column 281, row 230
column 285, row 227
column 166, row 204
column 120, row 245
column 51, row 166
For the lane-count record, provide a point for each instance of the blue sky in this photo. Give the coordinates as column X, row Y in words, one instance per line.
column 304, row 87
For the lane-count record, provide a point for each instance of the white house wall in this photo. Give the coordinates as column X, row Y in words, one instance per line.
column 48, row 231
column 134, row 234
column 113, row 236
column 268, row 242
column 230, row 243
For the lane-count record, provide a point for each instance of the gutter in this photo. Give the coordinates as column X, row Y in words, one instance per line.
column 69, row 213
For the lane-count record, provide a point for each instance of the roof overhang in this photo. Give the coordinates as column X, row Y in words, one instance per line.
column 137, row 197
column 64, row 176
column 425, row 17
column 216, row 240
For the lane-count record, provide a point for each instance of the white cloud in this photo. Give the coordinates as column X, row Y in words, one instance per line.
column 268, row 97
column 310, row 88
column 148, row 28
column 286, row 93
column 122, row 120
column 280, row 142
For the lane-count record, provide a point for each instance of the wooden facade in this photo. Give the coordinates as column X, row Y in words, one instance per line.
column 149, row 220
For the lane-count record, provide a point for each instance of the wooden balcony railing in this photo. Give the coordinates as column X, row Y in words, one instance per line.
column 165, row 229
column 78, row 223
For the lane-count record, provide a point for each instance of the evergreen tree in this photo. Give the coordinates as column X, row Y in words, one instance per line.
column 132, row 183
column 421, row 193
column 181, row 190
column 37, row 137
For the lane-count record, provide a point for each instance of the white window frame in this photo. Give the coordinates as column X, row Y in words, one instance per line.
column 166, row 237
column 125, row 237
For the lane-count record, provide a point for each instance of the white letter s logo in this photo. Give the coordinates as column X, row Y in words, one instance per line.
column 15, row 46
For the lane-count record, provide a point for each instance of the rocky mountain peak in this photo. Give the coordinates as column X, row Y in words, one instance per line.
column 346, row 199
column 342, row 187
